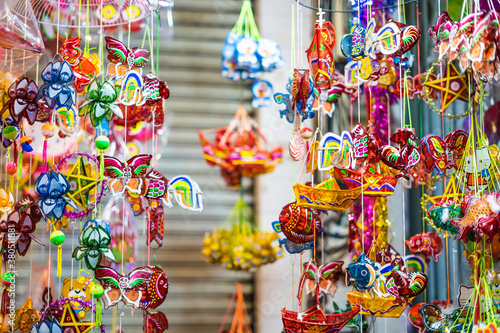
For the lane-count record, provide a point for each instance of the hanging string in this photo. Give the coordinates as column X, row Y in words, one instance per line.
column 153, row 70
column 292, row 42
column 49, row 274
column 152, row 125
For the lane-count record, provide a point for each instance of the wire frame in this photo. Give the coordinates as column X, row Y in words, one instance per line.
column 332, row 6
column 21, row 42
column 92, row 13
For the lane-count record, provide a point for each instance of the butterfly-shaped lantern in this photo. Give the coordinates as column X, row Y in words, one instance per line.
column 335, row 150
column 127, row 175
column 443, row 154
column 323, row 279
column 118, row 53
column 143, row 288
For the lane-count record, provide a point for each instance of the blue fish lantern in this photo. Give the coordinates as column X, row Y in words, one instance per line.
column 291, row 247
column 294, row 248
column 361, row 273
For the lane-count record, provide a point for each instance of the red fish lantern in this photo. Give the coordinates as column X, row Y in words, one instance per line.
column 85, row 71
column 300, row 224
column 427, row 244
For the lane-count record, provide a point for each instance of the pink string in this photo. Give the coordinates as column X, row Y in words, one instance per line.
column 351, row 112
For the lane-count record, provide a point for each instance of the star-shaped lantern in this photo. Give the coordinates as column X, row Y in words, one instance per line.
column 70, row 319
column 82, row 180
column 452, row 86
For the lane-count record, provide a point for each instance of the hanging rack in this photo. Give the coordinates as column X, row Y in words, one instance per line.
column 308, row 4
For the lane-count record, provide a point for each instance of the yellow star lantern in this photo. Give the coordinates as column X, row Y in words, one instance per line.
column 82, row 180
column 70, row 319
column 452, row 191
column 451, row 86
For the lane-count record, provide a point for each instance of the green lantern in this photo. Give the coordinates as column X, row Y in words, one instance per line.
column 94, row 244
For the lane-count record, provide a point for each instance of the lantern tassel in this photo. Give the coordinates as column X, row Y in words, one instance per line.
column 11, row 184
column 44, row 156
column 98, row 313
column 5, row 302
column 59, row 260
column 101, row 167
column 20, row 167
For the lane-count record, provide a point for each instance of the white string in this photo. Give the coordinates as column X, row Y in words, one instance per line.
column 126, row 154
column 399, row 17
column 145, row 235
column 72, row 248
column 362, row 180
column 463, row 9
column 49, row 272
column 454, row 267
column 151, row 35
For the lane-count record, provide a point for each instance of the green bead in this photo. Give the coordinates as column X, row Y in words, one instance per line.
column 10, row 132
column 9, row 277
column 102, row 142
column 97, row 290
column 57, row 237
